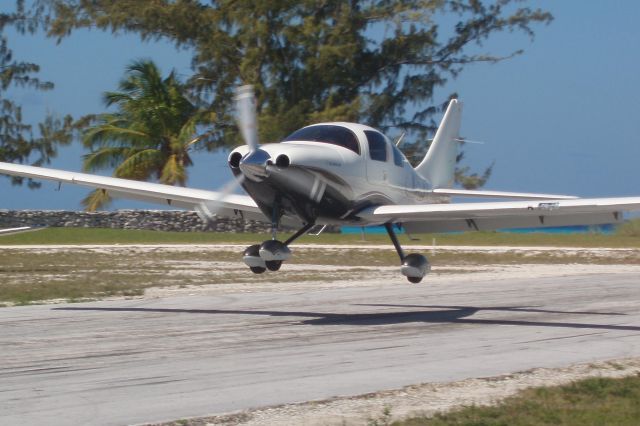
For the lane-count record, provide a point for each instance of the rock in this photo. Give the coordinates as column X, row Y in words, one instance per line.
column 159, row 220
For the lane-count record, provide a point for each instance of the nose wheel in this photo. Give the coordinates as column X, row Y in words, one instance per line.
column 273, row 265
column 260, row 260
column 271, row 253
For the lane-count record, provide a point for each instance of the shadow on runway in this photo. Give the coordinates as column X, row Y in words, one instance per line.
column 434, row 315
column 492, row 308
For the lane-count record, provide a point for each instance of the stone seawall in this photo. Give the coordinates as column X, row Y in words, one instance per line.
column 157, row 220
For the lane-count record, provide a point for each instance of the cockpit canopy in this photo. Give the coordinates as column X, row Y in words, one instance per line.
column 327, row 133
column 380, row 148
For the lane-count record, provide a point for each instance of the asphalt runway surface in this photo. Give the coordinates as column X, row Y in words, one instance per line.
column 146, row 360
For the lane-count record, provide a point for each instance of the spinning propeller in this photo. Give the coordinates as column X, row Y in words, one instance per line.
column 246, row 116
column 248, row 124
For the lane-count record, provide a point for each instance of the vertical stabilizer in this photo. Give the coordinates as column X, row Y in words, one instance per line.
column 439, row 164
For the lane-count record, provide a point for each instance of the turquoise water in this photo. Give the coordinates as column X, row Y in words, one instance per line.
column 598, row 229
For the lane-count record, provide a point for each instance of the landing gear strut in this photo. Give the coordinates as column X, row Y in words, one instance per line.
column 414, row 266
column 271, row 253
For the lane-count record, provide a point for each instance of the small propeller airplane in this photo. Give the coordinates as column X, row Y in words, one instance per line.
column 350, row 174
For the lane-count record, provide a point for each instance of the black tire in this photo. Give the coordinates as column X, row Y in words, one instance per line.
column 257, row 269
column 414, row 280
column 273, row 265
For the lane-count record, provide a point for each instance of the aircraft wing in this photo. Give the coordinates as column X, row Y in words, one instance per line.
column 228, row 205
column 500, row 194
column 502, row 214
column 20, row 230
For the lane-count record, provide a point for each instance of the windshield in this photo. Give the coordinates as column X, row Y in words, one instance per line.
column 335, row 135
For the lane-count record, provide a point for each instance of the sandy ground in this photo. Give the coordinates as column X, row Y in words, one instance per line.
column 379, row 275
column 472, row 274
column 417, row 400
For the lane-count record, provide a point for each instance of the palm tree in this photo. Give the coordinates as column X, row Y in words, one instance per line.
column 149, row 136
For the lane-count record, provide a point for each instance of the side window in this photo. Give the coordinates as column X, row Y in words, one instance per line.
column 398, row 158
column 377, row 145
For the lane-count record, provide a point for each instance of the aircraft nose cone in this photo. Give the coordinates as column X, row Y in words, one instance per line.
column 254, row 165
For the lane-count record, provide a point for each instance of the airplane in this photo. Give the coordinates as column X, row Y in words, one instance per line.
column 341, row 173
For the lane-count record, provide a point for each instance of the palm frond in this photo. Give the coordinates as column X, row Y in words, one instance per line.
column 141, row 165
column 105, row 157
column 173, row 172
column 113, row 135
column 96, row 199
column 155, row 126
column 112, row 98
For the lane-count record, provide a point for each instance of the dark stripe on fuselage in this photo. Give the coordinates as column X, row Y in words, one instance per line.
column 310, row 194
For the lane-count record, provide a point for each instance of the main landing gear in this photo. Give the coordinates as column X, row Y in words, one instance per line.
column 414, row 266
column 271, row 253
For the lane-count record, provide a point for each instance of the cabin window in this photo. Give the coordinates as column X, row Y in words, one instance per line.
column 398, row 157
column 335, row 135
column 377, row 145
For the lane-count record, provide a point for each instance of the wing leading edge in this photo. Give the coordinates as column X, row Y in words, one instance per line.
column 188, row 198
column 502, row 214
column 500, row 194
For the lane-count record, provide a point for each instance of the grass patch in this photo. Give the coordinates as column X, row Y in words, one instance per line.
column 80, row 274
column 441, row 257
column 594, row 401
column 50, row 236
column 626, row 237
column 629, row 229
column 77, row 274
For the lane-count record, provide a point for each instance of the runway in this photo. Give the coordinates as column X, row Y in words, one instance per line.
column 136, row 361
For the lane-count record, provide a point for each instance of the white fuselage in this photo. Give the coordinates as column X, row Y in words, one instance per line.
column 334, row 178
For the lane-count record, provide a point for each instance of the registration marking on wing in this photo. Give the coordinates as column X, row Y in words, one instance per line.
column 549, row 206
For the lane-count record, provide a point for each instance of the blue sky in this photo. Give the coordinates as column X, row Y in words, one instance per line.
column 563, row 117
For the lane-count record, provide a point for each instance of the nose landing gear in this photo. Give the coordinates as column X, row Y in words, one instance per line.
column 274, row 250
column 252, row 259
column 270, row 254
column 273, row 265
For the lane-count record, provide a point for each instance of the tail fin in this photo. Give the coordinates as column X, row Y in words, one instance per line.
column 439, row 164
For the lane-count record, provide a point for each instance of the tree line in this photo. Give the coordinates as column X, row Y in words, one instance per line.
column 377, row 62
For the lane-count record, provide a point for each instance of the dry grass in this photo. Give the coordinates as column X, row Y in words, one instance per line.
column 75, row 275
column 627, row 236
column 594, row 401
column 27, row 276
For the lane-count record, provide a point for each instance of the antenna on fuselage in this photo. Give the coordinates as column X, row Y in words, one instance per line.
column 400, row 138
column 463, row 140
